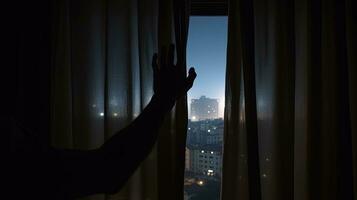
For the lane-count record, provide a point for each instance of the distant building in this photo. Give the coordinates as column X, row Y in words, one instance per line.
column 204, row 108
column 206, row 160
column 203, row 157
column 205, row 132
column 187, row 160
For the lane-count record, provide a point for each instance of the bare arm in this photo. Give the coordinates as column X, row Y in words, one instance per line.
column 106, row 169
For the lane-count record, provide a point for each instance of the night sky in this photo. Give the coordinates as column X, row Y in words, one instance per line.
column 206, row 51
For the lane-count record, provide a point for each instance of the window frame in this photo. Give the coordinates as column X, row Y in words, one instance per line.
column 209, row 8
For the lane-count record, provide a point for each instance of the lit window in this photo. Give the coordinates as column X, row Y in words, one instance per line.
column 101, row 114
column 200, row 183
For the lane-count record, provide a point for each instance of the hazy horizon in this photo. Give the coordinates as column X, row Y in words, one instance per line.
column 206, row 51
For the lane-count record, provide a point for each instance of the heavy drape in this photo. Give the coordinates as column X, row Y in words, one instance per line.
column 102, row 79
column 290, row 116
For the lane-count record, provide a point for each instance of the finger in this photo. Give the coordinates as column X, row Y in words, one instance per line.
column 163, row 58
column 192, row 72
column 171, row 55
column 190, row 79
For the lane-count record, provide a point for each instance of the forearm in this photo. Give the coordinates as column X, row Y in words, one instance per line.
column 118, row 158
column 143, row 131
column 129, row 147
column 105, row 170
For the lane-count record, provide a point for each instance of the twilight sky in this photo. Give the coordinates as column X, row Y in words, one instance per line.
column 206, row 51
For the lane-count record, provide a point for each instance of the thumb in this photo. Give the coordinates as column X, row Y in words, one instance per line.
column 190, row 79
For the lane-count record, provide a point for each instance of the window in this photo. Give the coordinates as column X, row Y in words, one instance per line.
column 206, row 51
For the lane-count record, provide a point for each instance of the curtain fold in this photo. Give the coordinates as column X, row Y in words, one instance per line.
column 305, row 74
column 351, row 31
column 102, row 79
column 173, row 28
column 235, row 169
column 181, row 10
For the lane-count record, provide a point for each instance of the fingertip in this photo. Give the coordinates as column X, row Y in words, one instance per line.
column 192, row 72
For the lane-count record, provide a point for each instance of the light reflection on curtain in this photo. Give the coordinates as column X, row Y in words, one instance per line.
column 305, row 76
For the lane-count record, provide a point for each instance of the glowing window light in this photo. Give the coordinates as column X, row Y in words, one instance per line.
column 200, row 183
column 101, row 114
column 210, row 172
column 115, row 114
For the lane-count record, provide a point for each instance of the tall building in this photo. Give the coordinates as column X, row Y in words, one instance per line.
column 204, row 108
column 187, row 159
column 204, row 148
column 205, row 160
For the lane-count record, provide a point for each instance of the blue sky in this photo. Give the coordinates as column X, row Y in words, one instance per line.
column 206, row 51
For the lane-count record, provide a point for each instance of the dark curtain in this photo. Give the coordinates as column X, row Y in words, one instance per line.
column 290, row 100
column 25, row 71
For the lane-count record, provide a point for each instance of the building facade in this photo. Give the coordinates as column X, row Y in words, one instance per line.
column 204, row 108
column 205, row 132
column 206, row 160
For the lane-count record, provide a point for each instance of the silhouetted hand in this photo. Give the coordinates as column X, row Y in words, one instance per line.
column 168, row 81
